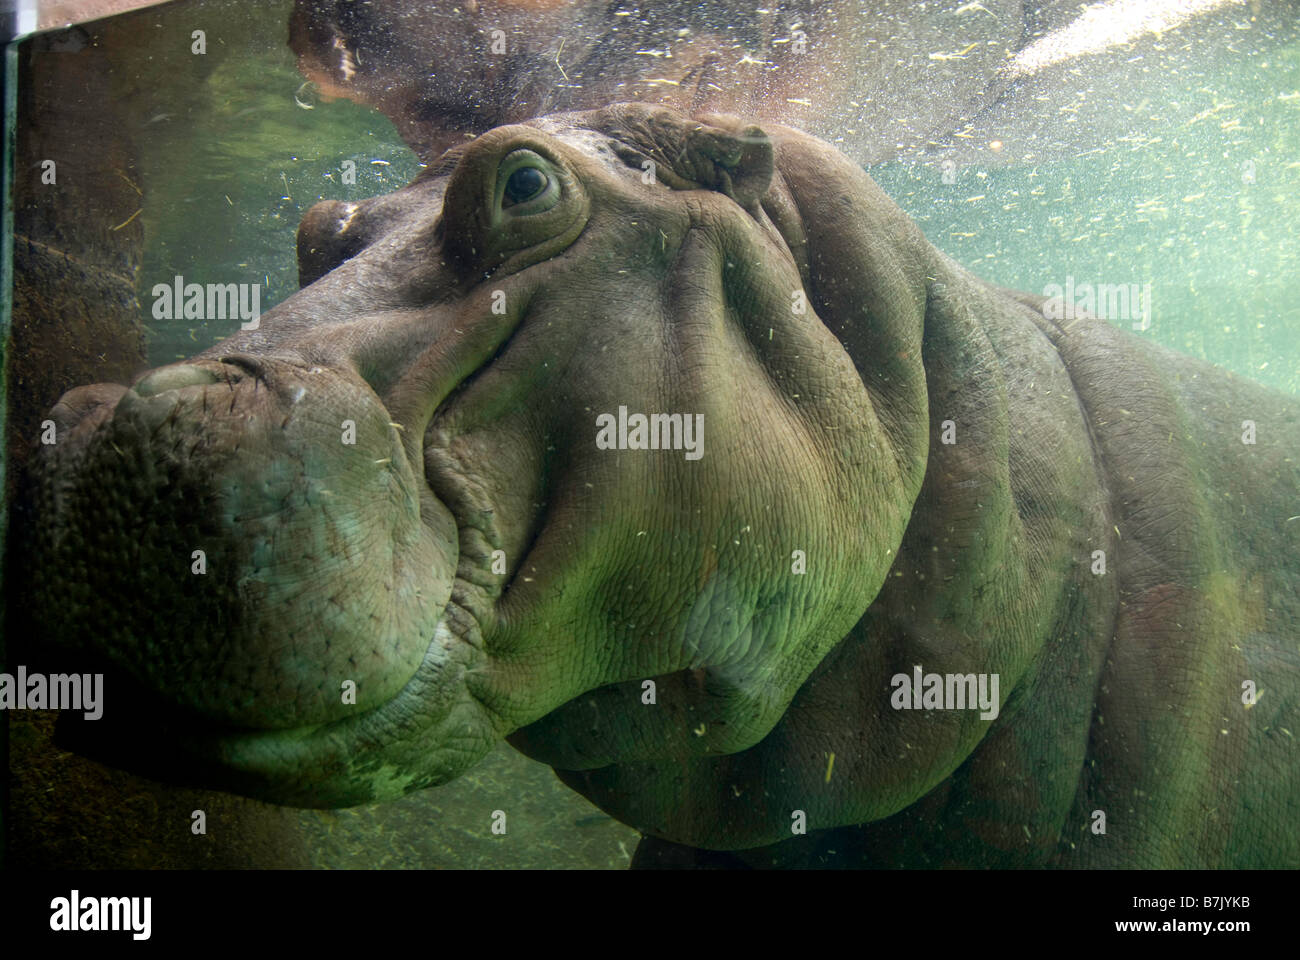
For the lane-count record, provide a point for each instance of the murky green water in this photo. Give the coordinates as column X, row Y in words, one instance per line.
column 1206, row 212
column 229, row 183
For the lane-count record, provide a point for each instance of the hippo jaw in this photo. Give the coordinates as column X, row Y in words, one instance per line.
column 411, row 546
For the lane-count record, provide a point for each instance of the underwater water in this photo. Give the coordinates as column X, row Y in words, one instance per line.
column 1206, row 212
column 1200, row 220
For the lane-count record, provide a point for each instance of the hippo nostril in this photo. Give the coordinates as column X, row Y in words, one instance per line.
column 173, row 378
column 250, row 365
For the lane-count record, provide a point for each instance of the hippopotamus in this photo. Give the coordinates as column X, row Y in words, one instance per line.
column 670, row 450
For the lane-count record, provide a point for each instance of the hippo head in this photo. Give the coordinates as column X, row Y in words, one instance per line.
column 598, row 399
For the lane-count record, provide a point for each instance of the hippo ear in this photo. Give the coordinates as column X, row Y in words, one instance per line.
column 714, row 152
column 328, row 234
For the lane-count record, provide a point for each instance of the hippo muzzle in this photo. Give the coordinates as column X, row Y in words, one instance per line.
column 314, row 593
column 336, row 557
column 313, row 553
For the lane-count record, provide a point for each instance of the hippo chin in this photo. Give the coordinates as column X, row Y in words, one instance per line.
column 672, row 451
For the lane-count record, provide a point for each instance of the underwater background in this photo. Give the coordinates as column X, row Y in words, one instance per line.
column 1207, row 212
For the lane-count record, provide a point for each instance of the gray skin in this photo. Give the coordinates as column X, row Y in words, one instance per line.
column 371, row 562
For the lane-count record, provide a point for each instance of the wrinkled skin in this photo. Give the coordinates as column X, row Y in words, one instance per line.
column 472, row 333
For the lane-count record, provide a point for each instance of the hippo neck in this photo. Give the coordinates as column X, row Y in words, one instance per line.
column 992, row 577
column 1115, row 577
column 994, row 559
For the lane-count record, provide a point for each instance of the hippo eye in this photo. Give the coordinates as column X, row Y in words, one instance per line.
column 524, row 184
column 527, row 183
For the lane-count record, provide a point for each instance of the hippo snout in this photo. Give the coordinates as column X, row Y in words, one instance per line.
column 269, row 511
